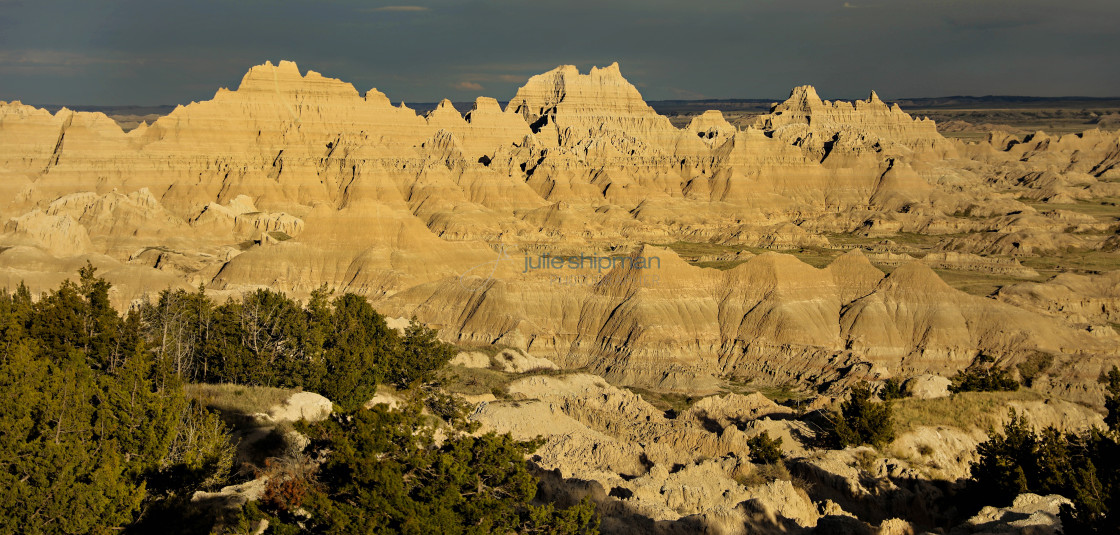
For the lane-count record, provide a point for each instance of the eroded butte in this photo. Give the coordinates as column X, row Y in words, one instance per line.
column 295, row 180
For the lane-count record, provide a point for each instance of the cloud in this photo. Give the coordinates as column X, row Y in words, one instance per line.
column 513, row 78
column 53, row 61
column 720, row 47
column 398, row 9
column 468, row 86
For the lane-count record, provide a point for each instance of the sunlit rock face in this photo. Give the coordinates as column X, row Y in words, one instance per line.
column 295, row 180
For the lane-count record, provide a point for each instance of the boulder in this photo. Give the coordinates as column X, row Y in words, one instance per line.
column 514, row 361
column 300, row 406
column 471, row 359
column 1029, row 514
column 927, row 386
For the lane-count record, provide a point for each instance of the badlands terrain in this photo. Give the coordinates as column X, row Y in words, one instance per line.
column 826, row 240
column 635, row 290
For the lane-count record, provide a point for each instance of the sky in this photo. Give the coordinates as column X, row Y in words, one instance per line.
column 148, row 52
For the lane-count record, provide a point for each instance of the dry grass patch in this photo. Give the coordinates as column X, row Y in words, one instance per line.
column 977, row 283
column 472, row 381
column 1107, row 208
column 1076, row 261
column 966, row 410
column 762, row 474
column 666, row 401
column 238, row 399
column 783, row 394
column 693, row 250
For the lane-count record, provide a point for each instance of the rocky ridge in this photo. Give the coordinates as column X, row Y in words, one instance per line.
column 295, row 180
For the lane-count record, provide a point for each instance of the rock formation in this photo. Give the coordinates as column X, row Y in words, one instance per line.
column 295, row 180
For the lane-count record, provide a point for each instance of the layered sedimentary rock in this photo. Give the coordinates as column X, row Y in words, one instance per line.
column 852, row 127
column 654, row 471
column 1085, row 299
column 654, row 319
column 662, row 469
column 295, row 180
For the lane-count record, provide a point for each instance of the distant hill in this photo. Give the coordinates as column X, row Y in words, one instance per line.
column 690, row 107
column 1003, row 101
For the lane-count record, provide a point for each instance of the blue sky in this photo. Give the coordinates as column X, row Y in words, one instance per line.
column 169, row 52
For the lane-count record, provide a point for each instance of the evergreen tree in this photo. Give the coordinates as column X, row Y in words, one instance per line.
column 60, row 475
column 891, row 390
column 359, row 350
column 1004, row 460
column 421, row 353
column 983, row 376
column 764, row 449
column 1112, row 399
column 96, row 432
column 319, row 331
column 863, row 421
column 177, row 327
column 384, row 473
column 101, row 325
column 88, row 438
column 1085, row 469
column 15, row 312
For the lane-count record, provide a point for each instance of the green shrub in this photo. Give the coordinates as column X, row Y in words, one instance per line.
column 1112, row 399
column 450, row 409
column 983, row 376
column 1084, row 468
column 863, row 421
column 765, row 450
column 92, row 431
column 865, row 460
column 341, row 348
column 421, row 353
column 891, row 390
column 385, row 473
column 1035, row 365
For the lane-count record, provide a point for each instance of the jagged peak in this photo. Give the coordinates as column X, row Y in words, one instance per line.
column 707, row 120
column 484, row 108
column 445, row 113
column 652, row 267
column 283, row 70
column 612, row 69
column 603, row 88
column 562, row 69
column 486, row 104
column 377, row 97
column 804, row 95
column 854, row 261
column 916, row 277
column 286, row 76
